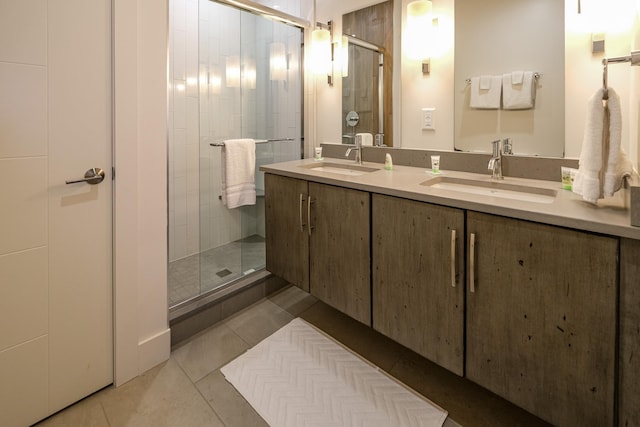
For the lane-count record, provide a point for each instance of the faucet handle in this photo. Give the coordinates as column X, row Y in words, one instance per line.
column 496, row 148
column 507, row 147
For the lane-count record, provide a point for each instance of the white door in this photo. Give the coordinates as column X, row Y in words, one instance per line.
column 56, row 343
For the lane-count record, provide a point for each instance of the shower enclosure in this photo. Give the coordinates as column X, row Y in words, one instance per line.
column 233, row 74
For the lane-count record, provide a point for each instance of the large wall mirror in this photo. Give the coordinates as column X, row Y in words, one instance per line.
column 362, row 91
column 367, row 89
column 498, row 38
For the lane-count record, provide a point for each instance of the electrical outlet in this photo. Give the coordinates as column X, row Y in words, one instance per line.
column 428, row 118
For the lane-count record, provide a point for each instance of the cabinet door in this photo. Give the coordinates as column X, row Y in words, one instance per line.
column 541, row 324
column 340, row 259
column 287, row 238
column 629, row 333
column 414, row 272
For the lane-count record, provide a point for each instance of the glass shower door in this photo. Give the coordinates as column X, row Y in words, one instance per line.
column 251, row 66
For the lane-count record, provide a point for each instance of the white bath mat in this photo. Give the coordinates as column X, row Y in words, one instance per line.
column 300, row 377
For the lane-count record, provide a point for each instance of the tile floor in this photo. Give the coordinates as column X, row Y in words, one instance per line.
column 189, row 390
column 189, row 277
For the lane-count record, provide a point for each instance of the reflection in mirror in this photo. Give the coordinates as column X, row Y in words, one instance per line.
column 361, row 93
column 498, row 38
column 373, row 27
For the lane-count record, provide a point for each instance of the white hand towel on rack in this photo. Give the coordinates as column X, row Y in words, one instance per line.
column 238, row 172
column 587, row 180
column 485, row 92
column 601, row 171
column 618, row 165
column 518, row 90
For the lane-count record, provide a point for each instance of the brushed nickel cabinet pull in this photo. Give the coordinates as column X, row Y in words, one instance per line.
column 453, row 258
column 309, row 227
column 472, row 262
column 302, row 224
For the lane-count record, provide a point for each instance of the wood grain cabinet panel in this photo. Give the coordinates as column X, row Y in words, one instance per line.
column 340, row 256
column 541, row 324
column 629, row 376
column 287, row 237
column 415, row 301
column 318, row 238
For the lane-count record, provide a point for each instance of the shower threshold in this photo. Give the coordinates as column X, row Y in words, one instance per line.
column 202, row 300
column 205, row 272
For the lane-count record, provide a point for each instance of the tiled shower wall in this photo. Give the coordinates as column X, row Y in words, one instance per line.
column 203, row 108
column 184, row 138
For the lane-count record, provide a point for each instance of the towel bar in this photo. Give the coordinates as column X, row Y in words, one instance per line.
column 633, row 58
column 535, row 76
column 258, row 141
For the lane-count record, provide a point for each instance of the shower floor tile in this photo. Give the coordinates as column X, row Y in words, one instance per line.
column 196, row 274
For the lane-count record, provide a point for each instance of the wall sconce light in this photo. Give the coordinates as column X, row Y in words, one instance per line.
column 322, row 51
column 277, row 61
column 345, row 56
column 603, row 19
column 418, row 32
column 232, row 74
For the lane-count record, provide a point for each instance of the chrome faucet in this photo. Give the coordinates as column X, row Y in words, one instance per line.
column 495, row 163
column 357, row 149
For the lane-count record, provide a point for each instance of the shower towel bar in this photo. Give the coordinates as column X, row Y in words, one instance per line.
column 258, row 141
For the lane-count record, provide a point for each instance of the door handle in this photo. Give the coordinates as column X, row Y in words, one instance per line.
column 93, row 176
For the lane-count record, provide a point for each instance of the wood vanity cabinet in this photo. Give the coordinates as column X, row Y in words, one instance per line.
column 318, row 238
column 286, row 228
column 541, row 318
column 418, row 277
column 629, row 370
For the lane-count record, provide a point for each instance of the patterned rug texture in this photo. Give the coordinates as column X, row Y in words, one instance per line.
column 301, row 377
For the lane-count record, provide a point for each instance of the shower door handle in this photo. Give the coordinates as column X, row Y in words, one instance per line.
column 93, row 176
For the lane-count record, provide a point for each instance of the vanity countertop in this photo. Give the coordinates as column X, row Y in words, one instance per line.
column 610, row 216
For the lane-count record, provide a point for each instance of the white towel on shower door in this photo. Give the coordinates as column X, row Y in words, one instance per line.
column 238, row 172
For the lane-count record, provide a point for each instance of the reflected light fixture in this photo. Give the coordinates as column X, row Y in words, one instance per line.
column 249, row 73
column 345, row 56
column 215, row 81
column 418, row 32
column 232, row 73
column 277, row 61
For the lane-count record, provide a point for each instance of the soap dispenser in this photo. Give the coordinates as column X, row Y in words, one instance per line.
column 388, row 163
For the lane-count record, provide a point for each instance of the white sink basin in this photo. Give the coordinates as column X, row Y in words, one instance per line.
column 340, row 168
column 500, row 189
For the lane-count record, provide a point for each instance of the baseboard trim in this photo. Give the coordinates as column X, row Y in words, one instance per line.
column 154, row 350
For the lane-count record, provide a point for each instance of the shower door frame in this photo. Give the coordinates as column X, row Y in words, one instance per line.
column 206, row 297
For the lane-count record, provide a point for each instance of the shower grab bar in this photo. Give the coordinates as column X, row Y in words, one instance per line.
column 258, row 141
